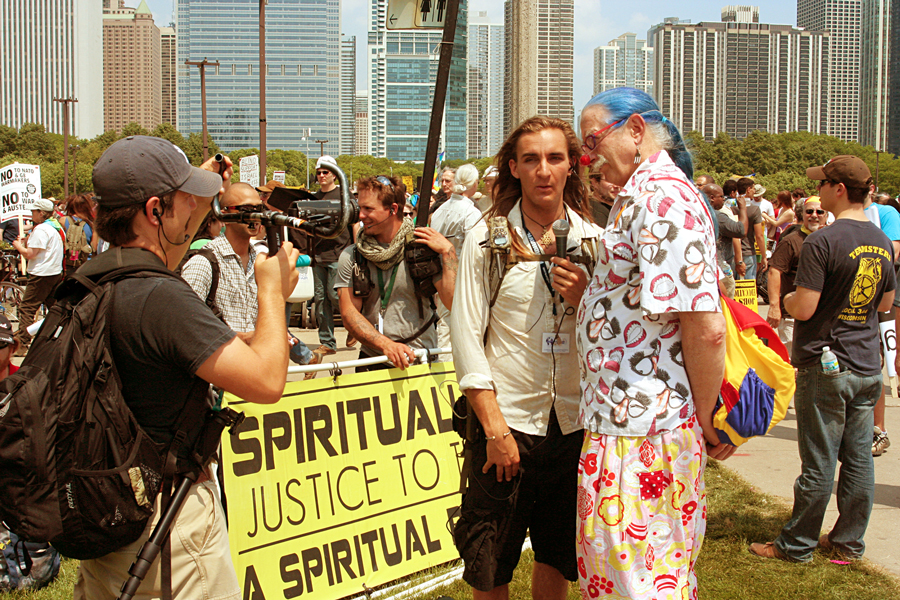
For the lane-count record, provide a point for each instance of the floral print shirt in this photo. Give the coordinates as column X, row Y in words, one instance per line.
column 657, row 258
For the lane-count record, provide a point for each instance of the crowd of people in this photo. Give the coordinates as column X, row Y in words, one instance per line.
column 578, row 294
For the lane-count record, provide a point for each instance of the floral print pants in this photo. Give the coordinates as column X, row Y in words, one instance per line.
column 641, row 514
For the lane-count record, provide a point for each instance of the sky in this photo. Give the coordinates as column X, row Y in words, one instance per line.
column 596, row 23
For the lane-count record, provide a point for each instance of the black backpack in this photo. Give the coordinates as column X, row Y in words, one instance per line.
column 76, row 469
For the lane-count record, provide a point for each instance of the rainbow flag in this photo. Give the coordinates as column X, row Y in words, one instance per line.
column 435, row 184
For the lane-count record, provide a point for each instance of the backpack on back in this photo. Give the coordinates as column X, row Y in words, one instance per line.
column 76, row 469
column 77, row 248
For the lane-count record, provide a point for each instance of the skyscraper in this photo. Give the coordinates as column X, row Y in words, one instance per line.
column 169, row 69
column 361, row 133
column 348, row 94
column 540, row 45
column 302, row 78
column 402, row 73
column 625, row 61
column 739, row 77
column 893, row 139
column 52, row 49
column 842, row 18
column 485, row 102
column 875, row 75
column 132, row 76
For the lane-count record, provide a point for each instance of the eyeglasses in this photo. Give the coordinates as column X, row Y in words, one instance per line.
column 407, row 213
column 814, row 211
column 590, row 142
column 322, row 173
column 385, row 181
column 246, row 208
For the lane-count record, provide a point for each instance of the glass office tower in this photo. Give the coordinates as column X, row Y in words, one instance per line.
column 303, row 48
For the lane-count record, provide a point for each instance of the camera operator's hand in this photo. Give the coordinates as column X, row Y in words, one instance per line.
column 278, row 272
column 400, row 355
column 214, row 166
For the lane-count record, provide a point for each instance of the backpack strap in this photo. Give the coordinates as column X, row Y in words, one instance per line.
column 209, row 255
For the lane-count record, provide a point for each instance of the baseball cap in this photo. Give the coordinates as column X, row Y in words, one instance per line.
column 270, row 186
column 138, row 167
column 43, row 204
column 491, row 171
column 846, row 169
column 758, row 190
column 326, row 161
column 6, row 330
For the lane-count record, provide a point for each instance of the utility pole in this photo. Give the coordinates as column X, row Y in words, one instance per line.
column 65, row 102
column 321, row 146
column 202, row 65
column 262, row 88
column 877, row 152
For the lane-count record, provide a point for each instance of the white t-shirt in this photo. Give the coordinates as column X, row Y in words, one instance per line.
column 50, row 257
column 764, row 206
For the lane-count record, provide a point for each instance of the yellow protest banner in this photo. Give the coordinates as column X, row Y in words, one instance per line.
column 745, row 293
column 344, row 483
column 408, row 182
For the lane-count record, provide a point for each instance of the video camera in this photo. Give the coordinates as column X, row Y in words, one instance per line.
column 299, row 209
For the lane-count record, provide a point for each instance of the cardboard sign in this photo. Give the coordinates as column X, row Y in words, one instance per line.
column 20, row 186
column 745, row 293
column 889, row 341
column 250, row 170
column 279, row 176
column 344, row 484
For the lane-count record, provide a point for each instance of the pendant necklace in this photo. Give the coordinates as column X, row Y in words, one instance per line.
column 547, row 238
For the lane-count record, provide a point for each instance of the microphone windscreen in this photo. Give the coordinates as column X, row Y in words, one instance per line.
column 561, row 232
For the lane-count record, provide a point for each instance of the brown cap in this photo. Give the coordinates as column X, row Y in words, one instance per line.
column 846, row 169
column 270, row 185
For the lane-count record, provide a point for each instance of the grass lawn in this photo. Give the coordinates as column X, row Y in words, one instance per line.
column 738, row 514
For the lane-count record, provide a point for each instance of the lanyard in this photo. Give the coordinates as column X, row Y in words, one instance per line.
column 545, row 271
column 386, row 294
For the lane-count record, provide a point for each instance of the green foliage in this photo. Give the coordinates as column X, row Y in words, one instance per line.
column 134, row 129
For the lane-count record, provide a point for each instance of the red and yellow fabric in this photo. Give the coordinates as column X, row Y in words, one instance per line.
column 759, row 379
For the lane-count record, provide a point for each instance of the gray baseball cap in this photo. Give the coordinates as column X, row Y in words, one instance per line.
column 138, row 167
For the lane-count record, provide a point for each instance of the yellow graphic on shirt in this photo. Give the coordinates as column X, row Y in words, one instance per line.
column 866, row 283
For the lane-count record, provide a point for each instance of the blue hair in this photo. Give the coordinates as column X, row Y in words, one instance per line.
column 621, row 103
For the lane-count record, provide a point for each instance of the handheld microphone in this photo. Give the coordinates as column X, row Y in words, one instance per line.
column 561, row 231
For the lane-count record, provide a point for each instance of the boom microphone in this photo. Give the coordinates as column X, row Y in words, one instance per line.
column 561, row 231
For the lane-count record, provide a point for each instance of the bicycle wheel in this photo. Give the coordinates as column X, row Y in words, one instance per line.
column 10, row 297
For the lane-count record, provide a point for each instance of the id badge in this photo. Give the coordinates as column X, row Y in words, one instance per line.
column 380, row 324
column 556, row 343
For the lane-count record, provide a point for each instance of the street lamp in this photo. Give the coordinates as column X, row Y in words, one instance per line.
column 202, row 64
column 306, row 139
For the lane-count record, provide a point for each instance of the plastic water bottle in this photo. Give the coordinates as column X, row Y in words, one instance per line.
column 830, row 364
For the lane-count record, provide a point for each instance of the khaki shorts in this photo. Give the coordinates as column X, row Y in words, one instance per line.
column 201, row 559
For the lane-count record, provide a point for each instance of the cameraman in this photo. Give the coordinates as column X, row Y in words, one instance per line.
column 167, row 345
column 389, row 318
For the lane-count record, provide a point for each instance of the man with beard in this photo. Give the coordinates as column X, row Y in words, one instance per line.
column 783, row 269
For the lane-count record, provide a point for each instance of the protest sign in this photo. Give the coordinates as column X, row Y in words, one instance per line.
column 250, row 170
column 745, row 293
column 408, row 182
column 20, row 186
column 279, row 176
column 344, row 483
column 889, row 343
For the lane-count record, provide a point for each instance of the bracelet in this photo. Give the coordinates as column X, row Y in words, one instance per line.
column 494, row 437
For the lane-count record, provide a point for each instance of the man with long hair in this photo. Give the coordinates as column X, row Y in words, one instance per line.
column 515, row 361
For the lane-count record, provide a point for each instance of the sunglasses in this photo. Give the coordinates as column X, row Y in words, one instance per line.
column 814, row 211
column 821, row 184
column 323, row 173
column 246, row 208
column 407, row 213
column 385, row 181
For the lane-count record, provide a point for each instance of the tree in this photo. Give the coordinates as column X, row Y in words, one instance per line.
column 167, row 131
column 193, row 148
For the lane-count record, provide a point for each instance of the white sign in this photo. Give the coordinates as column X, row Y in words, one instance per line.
column 250, row 170
column 416, row 14
column 20, row 186
column 278, row 176
column 889, row 340
column 431, row 13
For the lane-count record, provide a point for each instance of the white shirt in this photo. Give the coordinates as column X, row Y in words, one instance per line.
column 512, row 362
column 454, row 218
column 657, row 259
column 47, row 240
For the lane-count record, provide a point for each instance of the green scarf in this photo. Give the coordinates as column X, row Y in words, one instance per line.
column 385, row 258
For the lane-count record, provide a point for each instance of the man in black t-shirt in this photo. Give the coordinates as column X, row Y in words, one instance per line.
column 783, row 269
column 844, row 277
column 168, row 347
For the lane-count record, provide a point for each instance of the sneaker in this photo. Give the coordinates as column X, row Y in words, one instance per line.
column 880, row 442
column 316, row 359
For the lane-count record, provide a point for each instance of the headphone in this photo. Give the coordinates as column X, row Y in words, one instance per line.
column 159, row 217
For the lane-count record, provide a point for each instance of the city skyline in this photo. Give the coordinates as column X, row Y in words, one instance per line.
column 596, row 23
